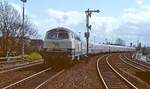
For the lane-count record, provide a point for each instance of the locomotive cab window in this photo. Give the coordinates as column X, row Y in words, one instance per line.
column 57, row 34
column 63, row 35
column 52, row 35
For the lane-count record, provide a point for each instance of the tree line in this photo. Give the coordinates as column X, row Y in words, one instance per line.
column 11, row 27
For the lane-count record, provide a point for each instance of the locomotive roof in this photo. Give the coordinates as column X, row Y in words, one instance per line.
column 61, row 28
column 116, row 46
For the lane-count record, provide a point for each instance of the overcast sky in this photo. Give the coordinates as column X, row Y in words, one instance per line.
column 125, row 19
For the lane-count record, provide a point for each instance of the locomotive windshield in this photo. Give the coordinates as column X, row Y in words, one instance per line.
column 58, row 34
column 52, row 35
column 63, row 35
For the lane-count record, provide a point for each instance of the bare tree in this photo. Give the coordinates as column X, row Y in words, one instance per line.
column 11, row 28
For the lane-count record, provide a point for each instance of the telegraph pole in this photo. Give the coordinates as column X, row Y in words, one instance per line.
column 24, row 1
column 88, row 26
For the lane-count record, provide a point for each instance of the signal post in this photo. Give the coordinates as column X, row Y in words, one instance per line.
column 88, row 27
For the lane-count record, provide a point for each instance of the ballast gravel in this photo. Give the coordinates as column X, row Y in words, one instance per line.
column 80, row 76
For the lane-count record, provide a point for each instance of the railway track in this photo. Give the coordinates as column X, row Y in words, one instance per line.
column 12, row 63
column 18, row 66
column 35, row 81
column 144, row 66
column 5, row 62
column 110, row 77
column 128, row 71
column 19, row 74
column 134, row 64
column 137, row 60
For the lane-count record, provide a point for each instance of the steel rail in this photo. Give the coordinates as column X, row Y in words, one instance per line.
column 20, row 81
column 127, row 81
column 130, row 64
column 54, row 76
column 13, row 68
column 98, row 70
column 137, row 63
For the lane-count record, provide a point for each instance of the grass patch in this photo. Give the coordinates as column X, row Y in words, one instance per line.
column 33, row 56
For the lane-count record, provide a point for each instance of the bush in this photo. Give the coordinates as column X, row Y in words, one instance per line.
column 33, row 56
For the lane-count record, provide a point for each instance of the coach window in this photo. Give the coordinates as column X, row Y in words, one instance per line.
column 77, row 38
column 72, row 35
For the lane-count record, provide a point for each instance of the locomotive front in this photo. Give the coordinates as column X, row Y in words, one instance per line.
column 57, row 45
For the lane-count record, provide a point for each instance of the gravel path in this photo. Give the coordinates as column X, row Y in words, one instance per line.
column 80, row 76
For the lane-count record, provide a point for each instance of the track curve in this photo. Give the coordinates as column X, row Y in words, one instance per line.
column 110, row 77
